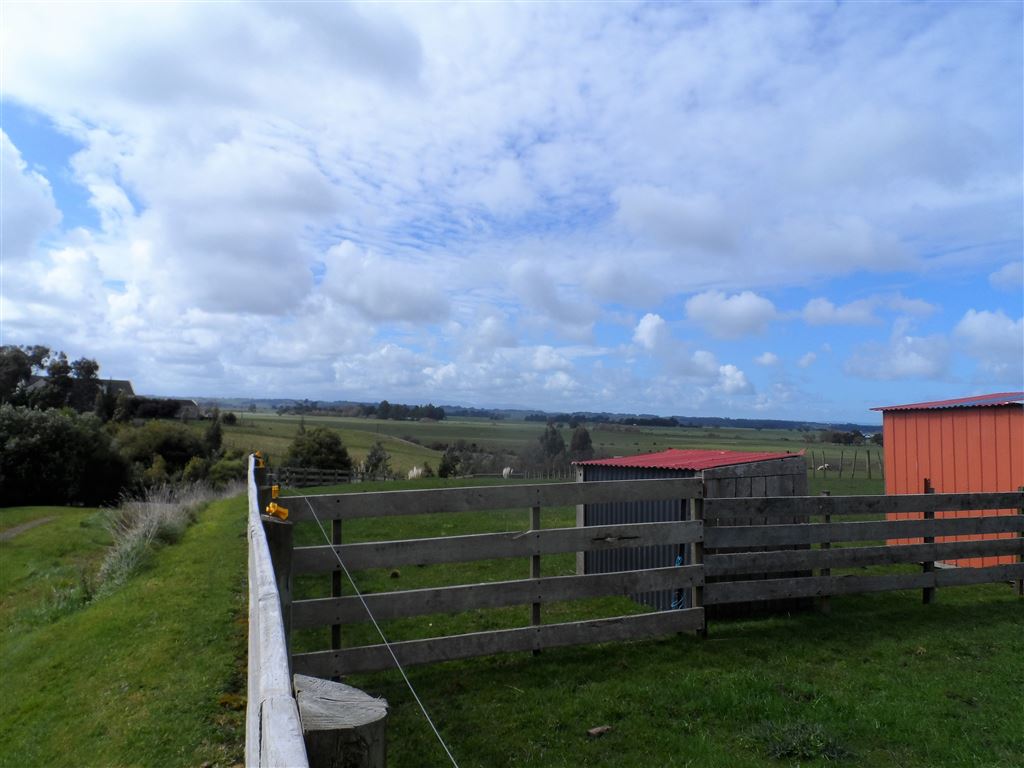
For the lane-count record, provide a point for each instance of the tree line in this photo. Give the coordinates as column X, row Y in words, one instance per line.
column 56, row 449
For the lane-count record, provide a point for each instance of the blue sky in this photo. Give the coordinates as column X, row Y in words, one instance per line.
column 787, row 210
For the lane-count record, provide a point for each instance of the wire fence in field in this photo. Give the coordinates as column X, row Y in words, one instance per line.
column 849, row 462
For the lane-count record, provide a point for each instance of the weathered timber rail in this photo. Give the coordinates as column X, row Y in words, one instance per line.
column 532, row 542
column 273, row 733
column 705, row 525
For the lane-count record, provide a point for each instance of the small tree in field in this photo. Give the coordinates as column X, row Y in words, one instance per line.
column 320, row 448
column 377, row 462
column 449, row 466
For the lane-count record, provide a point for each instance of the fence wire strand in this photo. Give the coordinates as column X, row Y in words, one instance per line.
column 380, row 632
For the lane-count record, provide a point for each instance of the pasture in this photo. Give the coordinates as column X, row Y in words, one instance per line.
column 409, row 442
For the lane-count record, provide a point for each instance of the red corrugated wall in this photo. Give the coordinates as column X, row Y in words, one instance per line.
column 959, row 450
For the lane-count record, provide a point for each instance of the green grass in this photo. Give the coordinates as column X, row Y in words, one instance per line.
column 882, row 681
column 151, row 675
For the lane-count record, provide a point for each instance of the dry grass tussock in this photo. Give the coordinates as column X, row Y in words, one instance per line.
column 157, row 517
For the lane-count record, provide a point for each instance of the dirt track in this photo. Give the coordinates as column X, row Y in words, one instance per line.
column 10, row 533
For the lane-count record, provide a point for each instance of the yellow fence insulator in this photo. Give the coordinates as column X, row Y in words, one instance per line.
column 276, row 510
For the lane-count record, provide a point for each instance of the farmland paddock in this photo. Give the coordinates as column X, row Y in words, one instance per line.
column 843, row 552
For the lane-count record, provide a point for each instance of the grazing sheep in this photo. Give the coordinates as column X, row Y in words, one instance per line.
column 415, row 473
column 506, row 472
column 824, row 467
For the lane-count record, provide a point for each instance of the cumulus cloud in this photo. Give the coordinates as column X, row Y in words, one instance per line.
column 501, row 179
column 651, row 332
column 807, row 360
column 903, row 357
column 1009, row 277
column 995, row 341
column 725, row 316
column 767, row 359
column 383, row 290
column 29, row 210
column 732, row 381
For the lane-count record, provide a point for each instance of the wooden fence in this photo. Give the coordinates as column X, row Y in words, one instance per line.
column 273, row 733
column 690, row 530
column 304, row 477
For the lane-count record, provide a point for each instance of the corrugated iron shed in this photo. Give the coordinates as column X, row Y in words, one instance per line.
column 998, row 398
column 678, row 458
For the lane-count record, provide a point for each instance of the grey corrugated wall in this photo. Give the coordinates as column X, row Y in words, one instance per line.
column 636, row 558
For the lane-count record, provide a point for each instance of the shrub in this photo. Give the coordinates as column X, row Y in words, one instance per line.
column 225, row 471
column 318, row 447
column 176, row 443
column 57, row 457
column 377, row 462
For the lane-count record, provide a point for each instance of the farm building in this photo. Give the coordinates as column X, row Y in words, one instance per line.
column 726, row 474
column 972, row 444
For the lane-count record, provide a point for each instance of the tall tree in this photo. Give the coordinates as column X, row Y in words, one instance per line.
column 581, row 447
column 552, row 442
column 15, row 370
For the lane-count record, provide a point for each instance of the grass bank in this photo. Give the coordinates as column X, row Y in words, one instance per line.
column 150, row 675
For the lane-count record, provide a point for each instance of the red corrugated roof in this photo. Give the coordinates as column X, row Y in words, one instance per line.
column 677, row 458
column 976, row 401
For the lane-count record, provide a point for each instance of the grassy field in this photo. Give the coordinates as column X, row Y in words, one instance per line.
column 272, row 434
column 152, row 675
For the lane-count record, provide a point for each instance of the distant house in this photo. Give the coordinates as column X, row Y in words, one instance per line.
column 82, row 396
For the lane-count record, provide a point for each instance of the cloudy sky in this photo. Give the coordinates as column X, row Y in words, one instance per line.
column 781, row 210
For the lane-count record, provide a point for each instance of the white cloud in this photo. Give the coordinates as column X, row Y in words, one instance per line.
column 821, row 311
column 651, row 332
column 697, row 221
column 29, row 211
column 807, row 360
column 996, row 341
column 903, row 357
column 767, row 359
column 383, row 290
column 731, row 316
column 507, row 178
column 732, row 381
column 1009, row 277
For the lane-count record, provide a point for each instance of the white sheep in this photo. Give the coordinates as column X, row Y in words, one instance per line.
column 506, row 472
column 824, row 467
column 415, row 473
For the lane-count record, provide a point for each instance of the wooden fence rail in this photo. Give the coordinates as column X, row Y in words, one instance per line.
column 737, row 576
column 273, row 733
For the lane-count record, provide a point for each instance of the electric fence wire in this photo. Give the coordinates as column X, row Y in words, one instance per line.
column 380, row 632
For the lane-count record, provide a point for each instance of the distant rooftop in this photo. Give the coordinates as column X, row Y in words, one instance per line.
column 999, row 398
column 677, row 458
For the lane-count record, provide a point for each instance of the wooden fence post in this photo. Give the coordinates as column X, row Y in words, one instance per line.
column 535, row 571
column 1020, row 558
column 280, row 542
column 336, row 584
column 824, row 603
column 343, row 727
column 928, row 593
column 697, row 596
